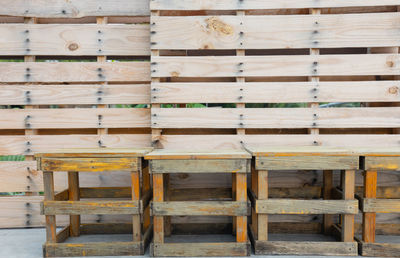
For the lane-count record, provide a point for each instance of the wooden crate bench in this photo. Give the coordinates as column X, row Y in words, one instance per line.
column 374, row 160
column 132, row 200
column 304, row 158
column 165, row 162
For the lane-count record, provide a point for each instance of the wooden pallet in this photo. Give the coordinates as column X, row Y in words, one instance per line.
column 135, row 201
column 166, row 162
column 374, row 161
column 306, row 158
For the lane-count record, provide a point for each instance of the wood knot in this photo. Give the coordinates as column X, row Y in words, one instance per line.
column 73, row 46
column 394, row 90
column 215, row 24
column 175, row 74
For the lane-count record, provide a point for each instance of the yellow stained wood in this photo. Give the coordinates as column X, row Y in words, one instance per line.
column 95, row 152
column 201, row 154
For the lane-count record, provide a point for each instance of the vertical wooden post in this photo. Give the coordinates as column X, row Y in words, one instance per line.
column 254, row 188
column 136, row 227
column 102, row 59
column 48, row 181
column 145, row 189
column 327, row 194
column 262, row 194
column 74, row 195
column 167, row 219
column 369, row 218
column 158, row 196
column 348, row 185
column 241, row 196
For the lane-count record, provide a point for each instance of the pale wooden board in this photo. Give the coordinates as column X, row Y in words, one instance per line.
column 200, row 208
column 201, row 142
column 74, row 8
column 386, row 160
column 288, row 161
column 203, row 154
column 384, row 117
column 273, row 92
column 261, row 4
column 75, row 39
column 289, row 151
column 74, row 71
column 381, row 205
column 20, row 144
column 74, row 118
column 74, row 94
column 283, row 31
column 184, row 165
column 95, row 152
column 256, row 66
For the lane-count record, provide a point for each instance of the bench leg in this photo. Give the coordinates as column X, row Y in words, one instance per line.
column 73, row 195
column 348, row 185
column 262, row 194
column 241, row 196
column 158, row 196
column 167, row 219
column 51, row 229
column 136, row 227
column 369, row 218
column 327, row 194
column 234, row 221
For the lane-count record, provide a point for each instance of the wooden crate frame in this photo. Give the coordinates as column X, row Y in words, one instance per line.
column 314, row 158
column 162, row 164
column 371, row 204
column 68, row 202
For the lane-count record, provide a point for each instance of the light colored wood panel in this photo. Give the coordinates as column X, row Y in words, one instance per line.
column 271, row 92
column 383, row 117
column 200, row 208
column 283, row 31
column 175, row 154
column 75, row 39
column 74, row 94
column 21, row 144
column 74, row 118
column 288, row 206
column 381, row 205
column 256, row 66
column 74, row 8
column 94, row 153
column 382, row 163
column 199, row 166
column 74, row 71
column 261, row 4
column 307, row 162
column 90, row 207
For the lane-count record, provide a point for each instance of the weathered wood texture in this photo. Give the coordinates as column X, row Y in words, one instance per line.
column 380, row 249
column 200, row 166
column 200, row 208
column 381, row 205
column 200, row 249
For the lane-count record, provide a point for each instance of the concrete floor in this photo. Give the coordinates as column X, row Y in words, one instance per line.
column 27, row 243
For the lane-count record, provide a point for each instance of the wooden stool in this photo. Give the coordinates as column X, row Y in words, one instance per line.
column 68, row 201
column 303, row 158
column 165, row 162
column 373, row 161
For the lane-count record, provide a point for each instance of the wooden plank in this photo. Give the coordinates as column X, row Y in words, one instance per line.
column 21, row 145
column 289, row 65
column 200, row 208
column 307, row 162
column 241, row 196
column 93, row 249
column 74, row 8
column 201, row 249
column 63, row 234
column 305, row 248
column 89, row 164
column 176, row 154
column 273, row 92
column 99, row 152
column 380, row 249
column 347, row 185
column 369, row 219
column 261, row 4
column 199, row 166
column 106, row 228
column 74, row 94
column 383, row 117
column 74, row 118
column 382, row 163
column 75, row 39
column 51, row 226
column 289, row 206
column 381, row 205
column 284, row 31
column 74, row 195
column 90, row 207
column 77, row 72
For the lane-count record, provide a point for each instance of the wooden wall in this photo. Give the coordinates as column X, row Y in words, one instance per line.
column 72, row 74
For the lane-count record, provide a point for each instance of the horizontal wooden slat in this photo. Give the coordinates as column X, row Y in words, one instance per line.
column 200, row 166
column 31, row 144
column 381, row 205
column 90, row 207
column 89, row 164
column 261, row 4
column 382, row 163
column 307, row 162
column 275, row 117
column 216, row 249
column 200, row 208
column 74, row 118
column 92, row 249
column 261, row 140
column 75, row 39
column 74, row 8
column 288, row 206
column 273, row 92
column 380, row 249
column 257, row 66
column 74, row 94
column 283, row 31
column 74, row 71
